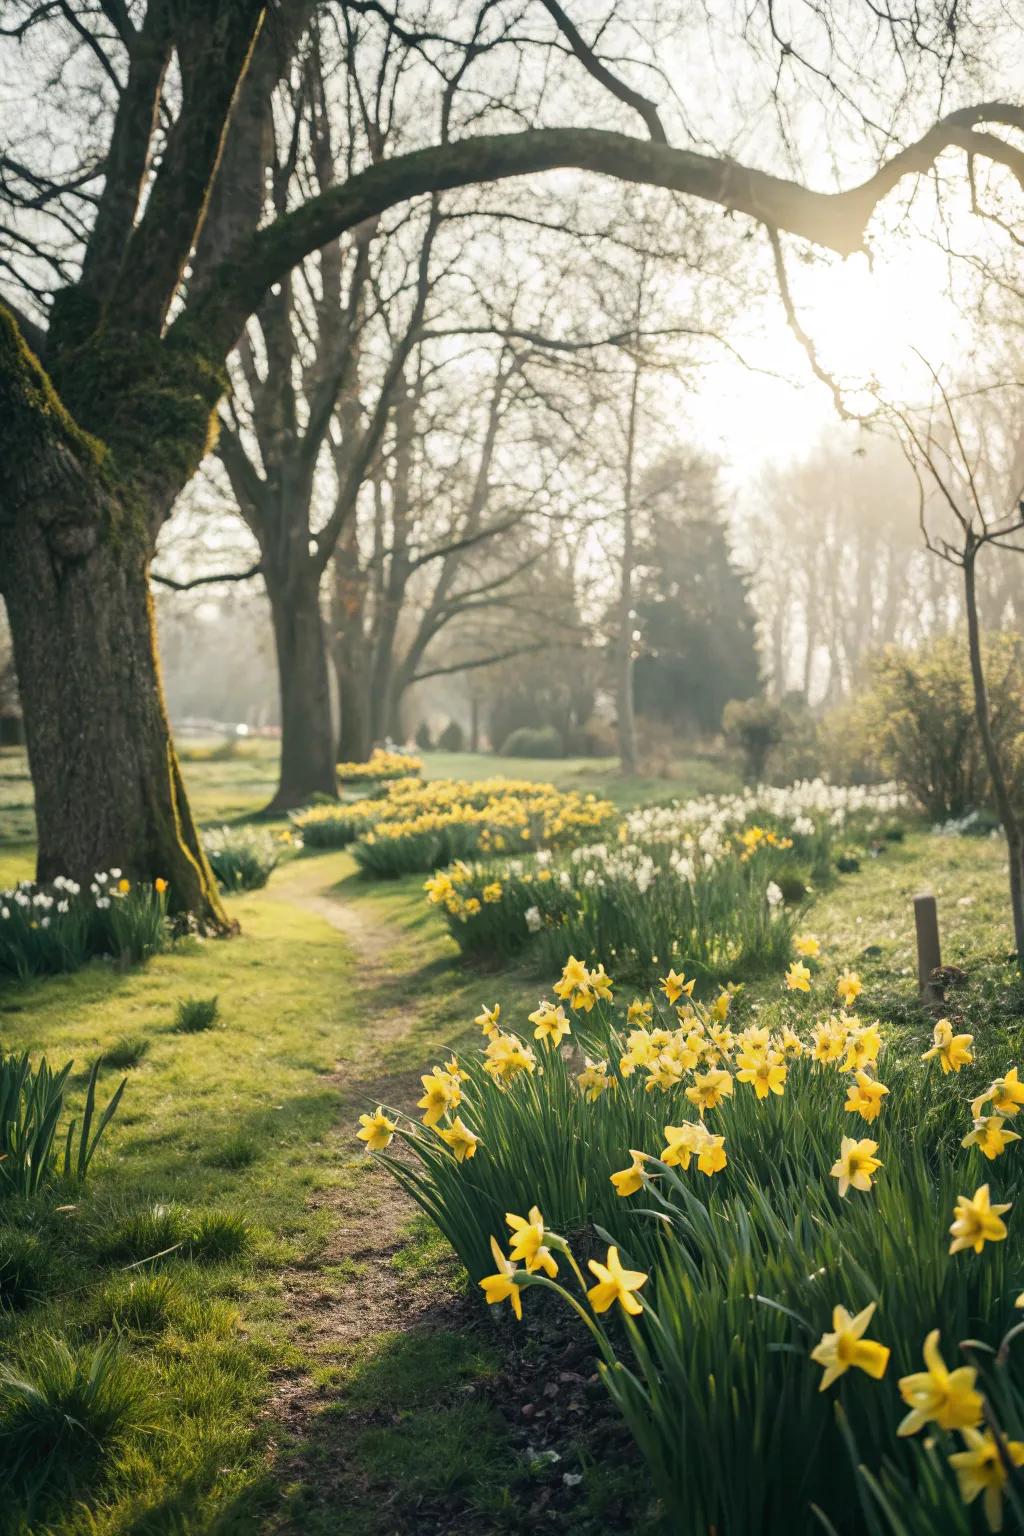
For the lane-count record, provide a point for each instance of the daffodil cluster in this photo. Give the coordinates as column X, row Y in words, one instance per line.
column 380, row 766
column 59, row 925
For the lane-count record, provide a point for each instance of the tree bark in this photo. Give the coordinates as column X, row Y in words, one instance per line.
column 626, row 723
column 96, row 726
column 1000, row 788
column 307, row 735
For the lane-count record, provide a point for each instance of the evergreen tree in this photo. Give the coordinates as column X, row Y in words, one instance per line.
column 693, row 615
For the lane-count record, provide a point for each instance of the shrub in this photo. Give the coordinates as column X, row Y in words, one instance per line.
column 47, row 929
column 194, row 1014
column 918, row 715
column 423, row 738
column 242, row 858
column 534, row 741
column 31, row 1107
column 452, row 738
column 755, row 726
column 63, row 1415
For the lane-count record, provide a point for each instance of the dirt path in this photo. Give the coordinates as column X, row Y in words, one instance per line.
column 351, row 1292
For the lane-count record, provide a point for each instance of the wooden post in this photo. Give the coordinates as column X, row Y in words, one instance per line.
column 926, row 921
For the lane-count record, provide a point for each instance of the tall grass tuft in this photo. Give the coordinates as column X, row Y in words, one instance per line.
column 63, row 1416
column 31, row 1107
column 195, row 1014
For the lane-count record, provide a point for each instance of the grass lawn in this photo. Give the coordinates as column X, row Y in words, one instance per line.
column 303, row 1359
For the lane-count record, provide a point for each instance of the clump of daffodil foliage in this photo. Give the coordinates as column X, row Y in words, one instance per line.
column 767, row 1230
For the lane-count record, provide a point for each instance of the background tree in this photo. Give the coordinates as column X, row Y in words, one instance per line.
column 694, row 620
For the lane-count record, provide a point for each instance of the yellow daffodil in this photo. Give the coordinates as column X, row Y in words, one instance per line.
column 460, row 1139
column 755, row 1039
column 527, row 1245
column 377, row 1130
column 440, row 1094
column 711, row 1156
column 682, row 1141
column 675, row 984
column 639, row 1012
column 551, row 1024
column 600, row 984
column 856, row 1164
column 709, row 1089
column 953, row 1051
column 640, row 1050
column 864, row 1097
column 507, row 1056
column 977, row 1221
column 798, row 977
column 846, row 1348
column 594, row 1079
column 946, row 1397
column 492, row 893
column 500, row 1286
column 1006, row 1095
column 159, row 885
column 438, row 888
column 807, row 946
column 862, row 1047
column 628, row 1180
column 574, row 986
column 980, row 1469
column 790, row 1043
column 124, row 886
column 829, row 1041
column 989, row 1137
column 848, row 988
column 719, row 1010
column 722, row 1038
column 767, row 1072
column 615, row 1284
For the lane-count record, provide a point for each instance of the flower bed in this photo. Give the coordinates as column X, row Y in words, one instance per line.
column 714, row 884
column 416, row 827
column 60, row 926
column 776, row 1212
column 381, row 767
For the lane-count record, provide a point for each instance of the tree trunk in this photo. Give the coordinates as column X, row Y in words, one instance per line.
column 95, row 722
column 354, row 735
column 75, row 542
column 625, row 720
column 307, row 735
column 1000, row 788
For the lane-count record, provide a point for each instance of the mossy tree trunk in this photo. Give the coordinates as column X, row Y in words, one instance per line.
column 74, row 549
column 96, row 727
